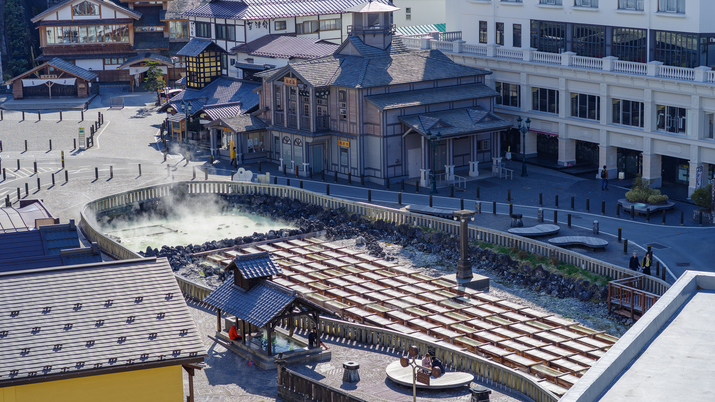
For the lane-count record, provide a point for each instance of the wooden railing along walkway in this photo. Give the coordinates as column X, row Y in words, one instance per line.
column 628, row 294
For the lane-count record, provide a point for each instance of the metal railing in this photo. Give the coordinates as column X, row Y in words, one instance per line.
column 121, row 201
column 294, row 386
column 444, row 180
column 374, row 29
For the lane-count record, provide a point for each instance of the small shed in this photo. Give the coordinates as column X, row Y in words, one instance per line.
column 53, row 78
column 258, row 302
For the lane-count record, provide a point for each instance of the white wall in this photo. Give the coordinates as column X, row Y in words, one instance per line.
column 423, row 12
column 94, row 64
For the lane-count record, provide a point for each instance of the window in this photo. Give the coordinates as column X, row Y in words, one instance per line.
column 589, row 40
column 482, row 32
column 551, row 2
column 178, row 29
column 671, row 6
column 548, row 36
column 511, row 1
column 408, row 10
column 671, row 119
column 330, row 25
column 203, row 30
column 342, row 105
column 516, row 35
column 545, row 100
column 85, row 8
column 279, row 26
column 500, row 33
column 408, row 17
column 373, row 20
column 307, row 27
column 676, row 49
column 629, row 113
column 586, row 106
column 630, row 44
column 635, row 5
column 87, row 34
column 277, row 99
column 586, row 3
column 226, row 32
column 343, row 157
column 509, row 94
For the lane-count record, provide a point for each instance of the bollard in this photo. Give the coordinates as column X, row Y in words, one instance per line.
column 399, row 198
column 25, row 145
column 540, row 215
column 288, row 182
column 494, row 207
column 588, row 205
column 38, row 184
column 362, row 180
column 662, row 272
column 451, row 191
column 296, row 171
column 310, row 169
column 620, row 232
column 388, row 184
column 18, row 164
column 39, row 116
column 99, row 116
column 7, row 200
column 27, row 189
column 206, row 172
column 700, row 219
column 595, row 227
column 74, row 143
column 1, row 116
column 625, row 246
column 633, row 212
column 603, row 207
column 511, row 209
column 232, row 173
column 478, row 207
column 369, row 195
column 194, row 174
column 350, row 178
column 50, row 145
column 4, row 175
column 572, row 203
column 60, row 115
column 402, row 183
column 430, row 200
column 417, row 187
column 556, row 217
column 53, row 179
column 96, row 173
column 477, row 192
column 0, row 141
column 165, row 156
column 508, row 195
column 301, row 183
column 336, row 176
column 34, row 166
column 284, row 170
column 682, row 218
column 140, row 169
column 82, row 115
column 259, row 166
column 23, row 115
column 275, row 180
column 87, row 142
column 618, row 210
column 327, row 189
column 323, row 171
column 67, row 176
column 461, row 204
column 663, row 217
column 18, row 193
column 556, row 200
column 568, row 219
column 111, row 172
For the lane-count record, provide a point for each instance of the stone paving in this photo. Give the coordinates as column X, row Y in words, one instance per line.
column 227, row 376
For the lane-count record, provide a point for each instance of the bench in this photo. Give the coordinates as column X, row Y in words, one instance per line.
column 516, row 221
column 535, row 231
column 591, row 242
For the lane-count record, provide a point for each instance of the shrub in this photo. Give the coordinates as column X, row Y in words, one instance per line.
column 642, row 192
column 702, row 197
column 522, row 254
column 657, row 199
column 636, row 196
column 553, row 260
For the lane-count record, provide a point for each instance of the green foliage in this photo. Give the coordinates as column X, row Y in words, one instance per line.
column 702, row 197
column 642, row 192
column 18, row 37
column 154, row 80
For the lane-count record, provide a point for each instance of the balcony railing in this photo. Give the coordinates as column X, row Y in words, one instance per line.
column 322, row 123
column 278, row 118
column 566, row 59
column 374, row 29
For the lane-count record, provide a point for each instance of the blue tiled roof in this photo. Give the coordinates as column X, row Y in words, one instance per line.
column 257, row 306
column 72, row 69
column 194, row 47
column 286, row 47
column 222, row 92
column 255, row 265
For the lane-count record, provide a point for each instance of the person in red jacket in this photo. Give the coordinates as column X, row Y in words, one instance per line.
column 233, row 334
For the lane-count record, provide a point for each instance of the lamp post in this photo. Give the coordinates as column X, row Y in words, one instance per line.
column 524, row 129
column 187, row 112
column 433, row 142
column 464, row 265
column 422, row 376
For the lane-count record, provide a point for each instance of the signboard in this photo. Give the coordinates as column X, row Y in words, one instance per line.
column 139, row 70
column 48, row 76
column 423, row 378
column 345, row 144
column 699, row 177
column 227, row 129
column 81, row 137
column 291, row 82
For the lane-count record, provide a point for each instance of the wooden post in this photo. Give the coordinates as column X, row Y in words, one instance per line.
column 218, row 320
column 269, row 339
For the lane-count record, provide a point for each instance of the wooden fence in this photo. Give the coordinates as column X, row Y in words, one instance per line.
column 628, row 294
column 295, row 387
column 122, row 200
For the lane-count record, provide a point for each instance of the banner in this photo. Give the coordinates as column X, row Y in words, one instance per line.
column 139, row 70
column 39, row 81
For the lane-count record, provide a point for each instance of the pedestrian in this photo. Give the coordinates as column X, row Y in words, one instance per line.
column 426, row 362
column 436, row 363
column 313, row 338
column 604, row 178
column 634, row 264
column 647, row 262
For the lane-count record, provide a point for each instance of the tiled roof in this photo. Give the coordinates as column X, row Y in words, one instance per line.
column 177, row 7
column 149, row 57
column 371, row 7
column 87, row 56
column 106, row 3
column 223, row 91
column 21, row 219
column 241, row 123
column 150, row 40
column 451, row 123
column 454, row 93
column 92, row 319
column 72, row 69
column 286, row 47
column 256, row 265
column 194, row 47
column 258, row 306
column 267, row 9
column 216, row 112
column 71, row 256
column 150, row 17
column 421, row 29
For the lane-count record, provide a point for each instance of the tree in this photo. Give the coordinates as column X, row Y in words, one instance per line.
column 154, row 79
column 17, row 37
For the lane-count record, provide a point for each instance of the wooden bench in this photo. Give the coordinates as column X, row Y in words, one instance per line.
column 587, row 241
column 536, row 231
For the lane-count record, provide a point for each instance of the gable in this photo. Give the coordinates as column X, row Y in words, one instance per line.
column 85, row 10
column 349, row 49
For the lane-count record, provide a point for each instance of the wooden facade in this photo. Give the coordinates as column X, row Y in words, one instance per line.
column 80, row 89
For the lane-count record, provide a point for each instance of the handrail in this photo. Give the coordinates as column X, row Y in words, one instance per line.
column 122, row 200
column 290, row 382
column 627, row 292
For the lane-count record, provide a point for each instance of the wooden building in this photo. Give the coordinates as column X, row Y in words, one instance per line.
column 55, row 78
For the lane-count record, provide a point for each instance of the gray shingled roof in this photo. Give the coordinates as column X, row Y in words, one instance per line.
column 47, row 240
column 90, row 319
column 72, row 69
column 286, row 47
column 194, row 47
column 223, row 91
column 399, row 100
column 150, row 57
column 256, row 265
column 216, row 112
column 376, row 67
column 258, row 306
column 267, row 9
column 241, row 123
column 21, row 219
column 455, row 122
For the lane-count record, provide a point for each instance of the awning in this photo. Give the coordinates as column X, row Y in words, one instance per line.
column 43, row 81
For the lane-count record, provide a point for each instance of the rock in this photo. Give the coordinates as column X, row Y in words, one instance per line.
column 360, row 241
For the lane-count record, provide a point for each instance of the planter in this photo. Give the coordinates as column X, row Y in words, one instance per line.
column 644, row 209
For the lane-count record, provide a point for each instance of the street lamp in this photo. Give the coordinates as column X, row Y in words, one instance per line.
column 524, row 129
column 433, row 142
column 187, row 113
column 423, row 375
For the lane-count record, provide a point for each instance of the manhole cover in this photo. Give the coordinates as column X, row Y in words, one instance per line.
column 657, row 246
column 682, row 264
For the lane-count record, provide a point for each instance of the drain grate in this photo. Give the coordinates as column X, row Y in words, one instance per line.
column 682, row 264
column 657, row 246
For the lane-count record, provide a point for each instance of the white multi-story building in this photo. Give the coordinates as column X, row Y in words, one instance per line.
column 621, row 83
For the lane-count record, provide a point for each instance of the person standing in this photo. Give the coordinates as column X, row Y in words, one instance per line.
column 634, row 264
column 647, row 262
column 313, row 339
column 604, row 178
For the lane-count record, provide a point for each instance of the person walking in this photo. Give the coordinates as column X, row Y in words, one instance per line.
column 647, row 262
column 634, row 264
column 604, row 178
